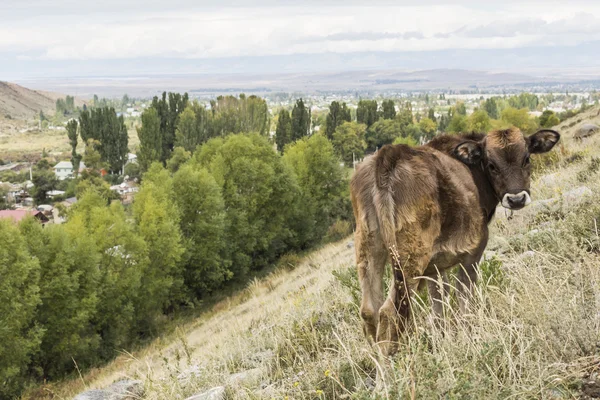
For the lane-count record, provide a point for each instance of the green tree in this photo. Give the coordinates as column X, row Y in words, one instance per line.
column 68, row 289
column 381, row 133
column 103, row 125
column 428, row 126
column 179, row 157
column 388, row 109
column 520, row 119
column 195, row 126
column 43, row 181
column 203, row 224
column 431, row 115
column 548, row 119
column 157, row 221
column 338, row 114
column 405, row 116
column 283, row 132
column 366, row 113
column 460, row 109
column 150, row 149
column 122, row 263
column 257, row 191
column 458, row 123
column 479, row 121
column 72, row 134
column 491, row 107
column 168, row 109
column 300, row 121
column 19, row 297
column 322, row 183
column 349, row 141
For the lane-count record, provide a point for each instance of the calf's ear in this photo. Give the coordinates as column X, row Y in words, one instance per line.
column 468, row 152
column 542, row 141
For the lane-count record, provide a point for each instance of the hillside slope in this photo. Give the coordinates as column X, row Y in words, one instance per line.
column 532, row 331
column 21, row 103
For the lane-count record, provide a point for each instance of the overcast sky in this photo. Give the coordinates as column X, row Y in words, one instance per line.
column 66, row 37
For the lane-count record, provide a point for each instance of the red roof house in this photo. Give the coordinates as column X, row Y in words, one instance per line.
column 18, row 215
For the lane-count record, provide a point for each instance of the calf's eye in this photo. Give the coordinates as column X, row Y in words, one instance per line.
column 527, row 161
column 492, row 168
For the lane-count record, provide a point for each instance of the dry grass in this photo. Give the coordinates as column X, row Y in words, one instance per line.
column 19, row 146
column 532, row 329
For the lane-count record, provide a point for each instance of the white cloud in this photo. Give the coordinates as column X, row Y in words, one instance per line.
column 189, row 30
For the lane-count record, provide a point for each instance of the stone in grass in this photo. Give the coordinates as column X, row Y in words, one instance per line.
column 248, row 377
column 216, row 393
column 121, row 390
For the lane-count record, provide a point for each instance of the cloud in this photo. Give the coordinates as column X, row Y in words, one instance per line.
column 184, row 29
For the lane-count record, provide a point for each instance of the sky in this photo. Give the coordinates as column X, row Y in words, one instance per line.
column 62, row 38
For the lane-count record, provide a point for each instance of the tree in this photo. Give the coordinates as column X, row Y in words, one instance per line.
column 103, row 125
column 122, row 263
column 404, row 116
column 431, row 115
column 43, row 181
column 240, row 114
column 157, row 221
column 428, row 126
column 460, row 109
column 388, row 109
column 195, row 127
column 322, row 183
column 381, row 133
column 179, row 157
column 548, row 119
column 72, row 134
column 168, row 109
column 479, row 121
column 68, row 283
column 491, row 107
column 366, row 113
column 283, row 132
column 458, row 123
column 300, row 121
column 338, row 114
column 257, row 191
column 520, row 119
column 349, row 141
column 150, row 149
column 19, row 297
column 203, row 224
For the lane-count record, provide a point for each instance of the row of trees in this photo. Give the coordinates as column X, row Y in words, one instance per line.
column 175, row 121
column 82, row 291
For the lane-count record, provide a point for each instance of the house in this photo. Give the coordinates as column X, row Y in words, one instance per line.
column 64, row 169
column 18, row 215
column 131, row 158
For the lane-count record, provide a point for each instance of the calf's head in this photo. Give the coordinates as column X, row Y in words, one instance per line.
column 504, row 158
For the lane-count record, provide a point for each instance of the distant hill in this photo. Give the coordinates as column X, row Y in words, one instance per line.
column 19, row 102
column 306, row 82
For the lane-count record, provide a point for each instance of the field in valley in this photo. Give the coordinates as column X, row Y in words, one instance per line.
column 532, row 330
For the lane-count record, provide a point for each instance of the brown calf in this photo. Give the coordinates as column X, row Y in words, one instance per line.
column 430, row 207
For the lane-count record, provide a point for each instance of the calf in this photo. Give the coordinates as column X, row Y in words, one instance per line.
column 429, row 207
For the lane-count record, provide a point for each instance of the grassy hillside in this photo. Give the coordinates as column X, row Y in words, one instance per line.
column 532, row 330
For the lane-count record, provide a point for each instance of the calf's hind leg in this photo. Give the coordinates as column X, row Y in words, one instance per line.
column 394, row 315
column 371, row 256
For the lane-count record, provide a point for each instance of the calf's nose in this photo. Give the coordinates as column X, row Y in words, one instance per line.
column 517, row 200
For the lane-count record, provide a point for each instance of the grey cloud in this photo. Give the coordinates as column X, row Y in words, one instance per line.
column 372, row 36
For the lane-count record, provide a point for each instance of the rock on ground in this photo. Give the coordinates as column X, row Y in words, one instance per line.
column 121, row 390
column 216, row 393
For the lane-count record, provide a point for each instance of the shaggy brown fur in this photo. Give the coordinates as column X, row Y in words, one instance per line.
column 428, row 207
